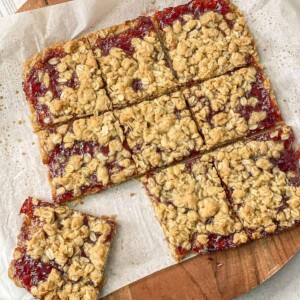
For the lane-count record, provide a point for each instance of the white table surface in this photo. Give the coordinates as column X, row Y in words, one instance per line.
column 285, row 284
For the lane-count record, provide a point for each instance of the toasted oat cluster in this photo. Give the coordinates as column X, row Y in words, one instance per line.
column 205, row 39
column 233, row 106
column 191, row 206
column 61, row 253
column 86, row 156
column 262, row 178
column 160, row 131
column 132, row 61
column 63, row 82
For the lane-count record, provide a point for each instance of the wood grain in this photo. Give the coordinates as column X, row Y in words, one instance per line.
column 219, row 276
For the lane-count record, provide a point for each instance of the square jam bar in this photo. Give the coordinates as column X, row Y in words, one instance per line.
column 262, row 179
column 63, row 82
column 160, row 131
column 61, row 253
column 86, row 156
column 233, row 106
column 191, row 206
column 205, row 39
column 132, row 61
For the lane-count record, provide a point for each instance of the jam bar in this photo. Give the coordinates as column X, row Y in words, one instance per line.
column 191, row 206
column 233, row 106
column 86, row 156
column 132, row 61
column 64, row 82
column 205, row 39
column 262, row 179
column 61, row 253
column 160, row 131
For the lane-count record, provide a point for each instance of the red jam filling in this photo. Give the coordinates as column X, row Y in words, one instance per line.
column 31, row 272
column 60, row 155
column 215, row 243
column 218, row 242
column 34, row 89
column 196, row 7
column 28, row 207
column 181, row 251
column 137, row 85
column 123, row 40
column 265, row 103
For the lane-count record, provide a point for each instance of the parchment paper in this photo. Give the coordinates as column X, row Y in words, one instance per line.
column 139, row 248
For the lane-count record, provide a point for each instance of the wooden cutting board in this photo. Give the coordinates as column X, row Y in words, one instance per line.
column 222, row 275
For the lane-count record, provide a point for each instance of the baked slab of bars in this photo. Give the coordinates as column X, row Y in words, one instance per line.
column 205, row 39
column 85, row 156
column 63, row 82
column 262, row 179
column 233, row 106
column 132, row 61
column 191, row 206
column 160, row 131
column 61, row 253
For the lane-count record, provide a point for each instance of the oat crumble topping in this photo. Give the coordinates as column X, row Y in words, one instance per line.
column 61, row 253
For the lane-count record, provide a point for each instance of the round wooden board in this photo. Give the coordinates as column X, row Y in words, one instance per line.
column 221, row 275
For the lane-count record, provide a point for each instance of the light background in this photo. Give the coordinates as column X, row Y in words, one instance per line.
column 285, row 283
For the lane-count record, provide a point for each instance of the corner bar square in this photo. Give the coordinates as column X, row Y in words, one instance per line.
column 205, row 39
column 63, row 82
column 61, row 253
column 262, row 179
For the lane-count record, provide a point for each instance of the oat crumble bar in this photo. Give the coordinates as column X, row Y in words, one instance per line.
column 132, row 61
column 160, row 131
column 205, row 39
column 63, row 82
column 191, row 206
column 262, row 179
column 61, row 253
column 233, row 106
column 86, row 156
